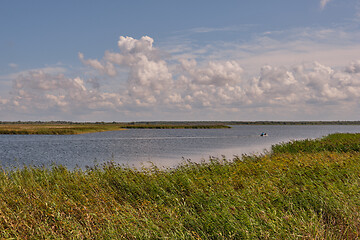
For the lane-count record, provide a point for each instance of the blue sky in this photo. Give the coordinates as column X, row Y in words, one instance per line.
column 180, row 60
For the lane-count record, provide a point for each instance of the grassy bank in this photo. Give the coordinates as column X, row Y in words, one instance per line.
column 55, row 129
column 337, row 142
column 80, row 128
column 302, row 194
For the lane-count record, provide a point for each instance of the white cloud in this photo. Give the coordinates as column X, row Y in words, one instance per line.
column 37, row 90
column 323, row 3
column 107, row 68
column 241, row 27
column 330, row 46
column 3, row 102
column 156, row 85
column 215, row 73
column 354, row 67
column 129, row 45
column 48, row 70
column 13, row 65
column 148, row 75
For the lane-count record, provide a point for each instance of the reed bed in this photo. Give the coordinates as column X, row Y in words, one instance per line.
column 80, row 128
column 337, row 142
column 56, row 129
column 281, row 195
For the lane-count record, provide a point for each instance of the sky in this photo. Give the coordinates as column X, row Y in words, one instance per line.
column 166, row 60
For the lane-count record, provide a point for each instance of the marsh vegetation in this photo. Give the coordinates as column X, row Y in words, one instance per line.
column 66, row 128
column 301, row 190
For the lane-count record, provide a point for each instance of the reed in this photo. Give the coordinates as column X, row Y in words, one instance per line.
column 337, row 142
column 282, row 195
column 80, row 128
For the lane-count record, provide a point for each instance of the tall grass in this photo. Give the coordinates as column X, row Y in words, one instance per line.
column 79, row 128
column 338, row 142
column 56, row 129
column 283, row 195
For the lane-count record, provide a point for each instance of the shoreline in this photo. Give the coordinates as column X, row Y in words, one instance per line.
column 71, row 128
column 82, row 128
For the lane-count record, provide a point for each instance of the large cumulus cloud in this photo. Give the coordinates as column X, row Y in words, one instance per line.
column 154, row 80
column 148, row 75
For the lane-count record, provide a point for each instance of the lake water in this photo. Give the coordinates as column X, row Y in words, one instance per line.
column 162, row 147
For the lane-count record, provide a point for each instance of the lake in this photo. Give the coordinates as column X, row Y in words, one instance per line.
column 143, row 147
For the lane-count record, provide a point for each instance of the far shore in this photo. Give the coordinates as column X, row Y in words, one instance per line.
column 69, row 128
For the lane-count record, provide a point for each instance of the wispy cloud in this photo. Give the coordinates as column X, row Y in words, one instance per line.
column 234, row 28
column 330, row 46
column 323, row 3
column 13, row 65
column 47, row 70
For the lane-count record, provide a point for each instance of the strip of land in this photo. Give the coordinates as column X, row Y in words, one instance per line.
column 56, row 128
column 301, row 190
column 64, row 127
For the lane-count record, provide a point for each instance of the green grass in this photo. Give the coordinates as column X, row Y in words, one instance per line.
column 56, row 129
column 283, row 195
column 337, row 142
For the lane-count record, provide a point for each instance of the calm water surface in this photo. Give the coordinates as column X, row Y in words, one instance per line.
column 162, row 147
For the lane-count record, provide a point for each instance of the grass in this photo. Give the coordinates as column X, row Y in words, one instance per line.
column 56, row 129
column 80, row 128
column 335, row 143
column 65, row 128
column 308, row 194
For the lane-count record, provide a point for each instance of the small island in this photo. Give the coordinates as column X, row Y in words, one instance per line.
column 69, row 128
